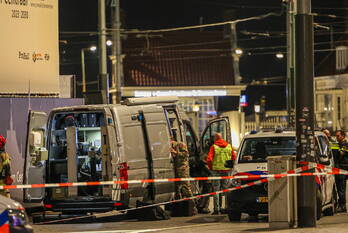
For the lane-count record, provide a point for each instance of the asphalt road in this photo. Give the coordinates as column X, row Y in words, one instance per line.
column 199, row 223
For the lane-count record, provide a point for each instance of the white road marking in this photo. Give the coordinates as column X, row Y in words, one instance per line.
column 146, row 230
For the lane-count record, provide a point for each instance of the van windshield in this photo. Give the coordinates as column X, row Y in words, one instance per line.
column 257, row 149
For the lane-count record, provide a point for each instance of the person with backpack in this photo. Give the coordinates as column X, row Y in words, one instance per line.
column 220, row 152
column 5, row 167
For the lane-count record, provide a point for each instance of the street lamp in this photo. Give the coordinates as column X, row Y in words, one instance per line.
column 93, row 48
column 83, row 66
column 109, row 43
column 238, row 51
column 279, row 55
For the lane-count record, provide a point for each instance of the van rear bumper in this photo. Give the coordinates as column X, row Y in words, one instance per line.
column 83, row 206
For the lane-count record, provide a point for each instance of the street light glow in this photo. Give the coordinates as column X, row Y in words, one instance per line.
column 238, row 51
column 109, row 42
column 280, row 55
column 93, row 48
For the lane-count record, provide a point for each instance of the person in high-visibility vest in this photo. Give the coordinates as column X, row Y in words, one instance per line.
column 219, row 153
column 342, row 163
column 333, row 143
column 5, row 167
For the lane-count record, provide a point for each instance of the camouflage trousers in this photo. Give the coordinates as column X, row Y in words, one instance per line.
column 183, row 189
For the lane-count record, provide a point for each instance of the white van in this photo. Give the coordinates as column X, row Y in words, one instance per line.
column 130, row 141
column 251, row 159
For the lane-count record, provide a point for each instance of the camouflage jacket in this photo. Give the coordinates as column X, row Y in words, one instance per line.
column 181, row 159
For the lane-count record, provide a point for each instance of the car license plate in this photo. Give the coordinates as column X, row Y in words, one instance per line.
column 262, row 199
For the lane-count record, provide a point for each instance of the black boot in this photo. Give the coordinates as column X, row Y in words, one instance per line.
column 341, row 208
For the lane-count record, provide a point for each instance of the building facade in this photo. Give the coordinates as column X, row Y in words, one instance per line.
column 196, row 66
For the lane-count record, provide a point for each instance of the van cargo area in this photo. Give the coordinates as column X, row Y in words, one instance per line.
column 75, row 155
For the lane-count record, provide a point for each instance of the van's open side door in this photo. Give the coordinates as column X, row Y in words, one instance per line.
column 35, row 156
column 219, row 125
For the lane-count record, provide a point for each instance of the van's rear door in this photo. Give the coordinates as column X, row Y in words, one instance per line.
column 34, row 165
column 158, row 139
column 218, row 125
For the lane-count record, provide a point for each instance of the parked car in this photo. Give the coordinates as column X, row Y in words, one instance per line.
column 13, row 216
column 251, row 159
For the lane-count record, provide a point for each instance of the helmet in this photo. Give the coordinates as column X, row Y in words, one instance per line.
column 2, row 141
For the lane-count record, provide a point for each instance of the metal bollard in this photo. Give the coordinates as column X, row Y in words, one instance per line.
column 282, row 195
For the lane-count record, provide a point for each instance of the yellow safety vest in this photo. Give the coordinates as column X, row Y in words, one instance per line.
column 221, row 155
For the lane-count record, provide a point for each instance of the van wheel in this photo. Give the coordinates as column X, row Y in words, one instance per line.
column 234, row 215
column 332, row 210
column 319, row 204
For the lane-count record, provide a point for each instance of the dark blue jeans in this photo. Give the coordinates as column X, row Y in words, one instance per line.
column 341, row 189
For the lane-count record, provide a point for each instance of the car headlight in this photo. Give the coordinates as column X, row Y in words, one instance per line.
column 17, row 217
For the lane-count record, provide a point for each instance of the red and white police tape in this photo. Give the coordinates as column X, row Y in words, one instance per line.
column 293, row 172
column 334, row 171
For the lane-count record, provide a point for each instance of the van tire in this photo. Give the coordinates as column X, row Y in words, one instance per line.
column 234, row 215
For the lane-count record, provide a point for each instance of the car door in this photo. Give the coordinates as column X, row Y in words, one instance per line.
column 219, row 125
column 35, row 156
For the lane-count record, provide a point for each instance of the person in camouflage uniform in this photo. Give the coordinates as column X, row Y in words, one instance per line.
column 182, row 170
column 180, row 156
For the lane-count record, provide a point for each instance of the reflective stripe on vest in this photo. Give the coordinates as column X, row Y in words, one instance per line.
column 221, row 155
column 334, row 146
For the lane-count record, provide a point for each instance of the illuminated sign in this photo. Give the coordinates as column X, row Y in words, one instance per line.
column 29, row 58
column 243, row 101
column 181, row 93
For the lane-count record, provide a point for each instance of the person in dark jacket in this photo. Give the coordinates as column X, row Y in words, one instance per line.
column 342, row 162
column 219, row 153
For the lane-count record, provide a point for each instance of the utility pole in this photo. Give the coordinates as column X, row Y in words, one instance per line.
column 304, row 72
column 103, row 76
column 117, row 71
column 290, row 83
column 235, row 56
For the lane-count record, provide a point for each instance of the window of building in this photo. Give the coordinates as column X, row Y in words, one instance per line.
column 341, row 58
column 206, row 110
column 338, row 108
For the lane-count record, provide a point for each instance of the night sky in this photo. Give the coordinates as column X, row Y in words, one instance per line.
column 81, row 16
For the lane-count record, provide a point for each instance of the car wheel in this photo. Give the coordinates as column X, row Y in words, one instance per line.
column 234, row 215
column 319, row 204
column 332, row 209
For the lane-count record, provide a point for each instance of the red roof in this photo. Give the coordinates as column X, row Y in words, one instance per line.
column 178, row 59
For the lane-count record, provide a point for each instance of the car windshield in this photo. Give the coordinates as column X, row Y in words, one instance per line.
column 257, row 149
